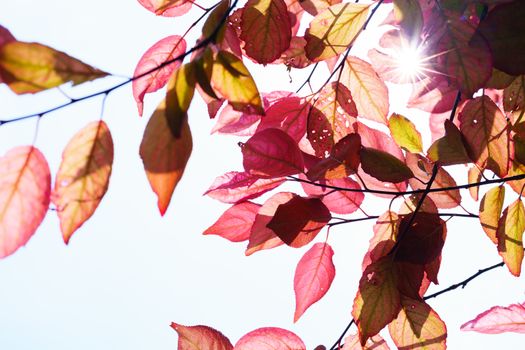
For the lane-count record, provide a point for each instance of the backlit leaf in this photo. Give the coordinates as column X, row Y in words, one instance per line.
column 368, row 90
column 272, row 153
column 200, row 338
column 510, row 236
column 484, row 128
column 339, row 202
column 313, row 276
column 5, row 36
column 266, row 29
column 299, row 220
column 334, row 29
column 449, row 149
column 270, row 338
column 409, row 16
column 288, row 114
column 235, row 223
column 234, row 187
column 378, row 301
column 418, row 327
column 231, row 80
column 498, row 319
column 164, row 156
column 502, row 29
column 181, row 87
column 490, row 210
column 25, row 186
column 373, row 343
column 163, row 51
column 168, row 8
column 384, row 166
column 262, row 237
column 384, row 238
column 405, row 133
column 33, row 67
column 474, row 176
column 83, row 176
column 514, row 95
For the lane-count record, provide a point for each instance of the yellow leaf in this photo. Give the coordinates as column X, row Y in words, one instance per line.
column 405, row 133
column 510, row 236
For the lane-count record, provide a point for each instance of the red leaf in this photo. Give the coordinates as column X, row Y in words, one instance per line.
column 498, row 319
column 83, row 177
column 163, row 51
column 261, row 237
column 266, row 29
column 339, row 202
column 313, row 276
column 234, row 122
column 5, row 36
column 168, row 8
column 270, row 338
column 25, row 186
column 200, row 338
column 164, row 156
column 235, row 223
column 299, row 220
column 288, row 114
column 272, row 153
column 384, row 238
column 234, row 187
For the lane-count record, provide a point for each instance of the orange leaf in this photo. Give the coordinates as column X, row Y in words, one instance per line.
column 164, row 156
column 33, row 67
column 83, row 176
column 266, row 29
column 418, row 327
column 25, row 185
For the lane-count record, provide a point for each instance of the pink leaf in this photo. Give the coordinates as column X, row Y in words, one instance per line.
column 288, row 114
column 164, row 50
column 498, row 319
column 270, row 338
column 167, row 8
column 25, row 187
column 235, row 223
column 200, row 338
column 373, row 343
column 234, row 187
column 272, row 153
column 339, row 202
column 313, row 276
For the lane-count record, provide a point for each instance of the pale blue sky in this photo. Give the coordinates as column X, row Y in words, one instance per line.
column 128, row 273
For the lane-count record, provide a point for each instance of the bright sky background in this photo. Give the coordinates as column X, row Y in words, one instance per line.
column 128, row 273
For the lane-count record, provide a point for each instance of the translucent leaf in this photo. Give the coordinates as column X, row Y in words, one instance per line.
column 334, row 29
column 234, row 187
column 405, row 134
column 168, row 8
column 313, row 276
column 200, row 338
column 384, row 238
column 266, row 29
column 339, row 202
column 510, row 236
column 490, row 209
column 368, row 90
column 164, row 156
column 5, row 36
column 299, row 220
column 232, row 81
column 409, row 16
column 484, row 128
column 474, row 176
column 498, row 319
column 181, row 87
column 449, row 149
column 418, row 327
column 262, row 237
column 83, row 177
column 502, row 29
column 25, row 186
column 164, row 50
column 235, row 223
column 514, row 95
column 377, row 291
column 384, row 166
column 373, row 343
column 270, row 338
column 272, row 153
column 33, row 67
column 434, row 94
column 313, row 7
column 288, row 114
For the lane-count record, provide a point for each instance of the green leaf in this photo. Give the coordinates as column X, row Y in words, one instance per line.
column 510, row 236
column 449, row 149
column 490, row 210
column 334, row 29
column 378, row 300
column 33, row 67
column 178, row 97
column 384, row 166
column 214, row 20
column 266, row 29
column 231, row 80
column 405, row 133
